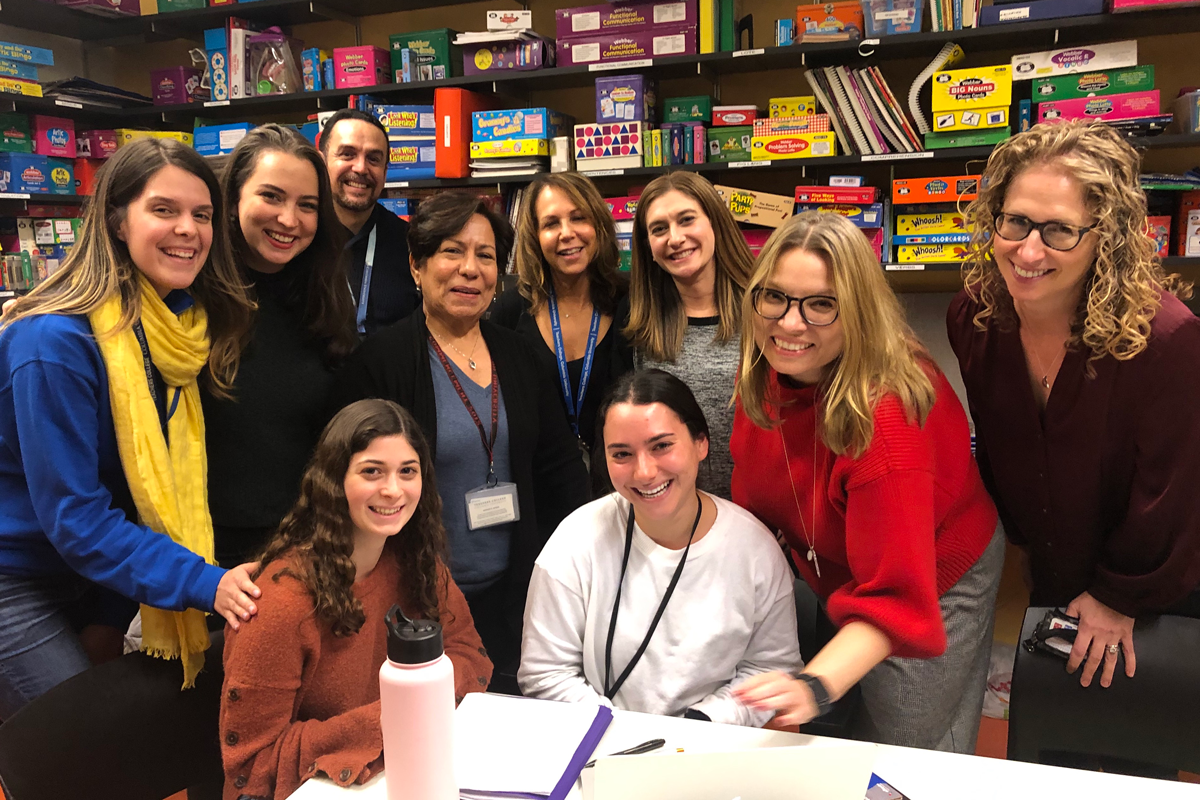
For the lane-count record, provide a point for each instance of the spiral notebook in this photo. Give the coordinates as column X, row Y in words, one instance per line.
column 862, row 111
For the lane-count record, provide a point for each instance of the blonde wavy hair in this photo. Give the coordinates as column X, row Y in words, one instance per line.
column 1122, row 289
column 880, row 353
column 657, row 320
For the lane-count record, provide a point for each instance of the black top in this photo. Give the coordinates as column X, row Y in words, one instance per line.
column 259, row 442
column 393, row 292
column 543, row 454
column 614, row 356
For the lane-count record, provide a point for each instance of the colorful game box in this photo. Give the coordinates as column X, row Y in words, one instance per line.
column 836, row 194
column 944, row 189
column 862, row 215
column 488, row 57
column 365, row 65
column 792, row 145
column 405, row 121
column 435, row 54
column 1105, row 107
column 931, row 253
column 819, row 18
column 605, row 140
column 730, row 143
column 688, row 109
column 978, row 88
column 53, row 136
column 508, row 148
column 808, row 123
column 626, row 98
column 1068, row 60
column 1093, row 84
column 730, row 116
column 572, row 23
column 791, row 106
column 970, row 119
column 518, row 123
column 931, row 222
column 758, row 208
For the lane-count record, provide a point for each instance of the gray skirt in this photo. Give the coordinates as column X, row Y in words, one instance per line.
column 935, row 703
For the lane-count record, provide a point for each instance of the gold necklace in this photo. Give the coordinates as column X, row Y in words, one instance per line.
column 1038, row 363
column 467, row 356
column 812, row 551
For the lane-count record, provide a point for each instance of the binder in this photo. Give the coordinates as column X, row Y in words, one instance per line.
column 453, row 109
column 728, row 19
column 709, row 10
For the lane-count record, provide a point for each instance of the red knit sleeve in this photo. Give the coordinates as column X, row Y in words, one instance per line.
column 266, row 751
column 461, row 642
column 889, row 496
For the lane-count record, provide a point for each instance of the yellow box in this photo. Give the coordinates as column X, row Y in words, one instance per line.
column 791, row 106
column 14, row 86
column 758, row 208
column 507, row 148
column 970, row 119
column 934, row 253
column 978, row 88
column 932, row 222
column 793, row 145
column 127, row 135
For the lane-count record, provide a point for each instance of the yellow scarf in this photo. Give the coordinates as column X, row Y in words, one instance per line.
column 169, row 485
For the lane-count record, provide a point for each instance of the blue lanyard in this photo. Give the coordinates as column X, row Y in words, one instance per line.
column 365, row 292
column 574, row 406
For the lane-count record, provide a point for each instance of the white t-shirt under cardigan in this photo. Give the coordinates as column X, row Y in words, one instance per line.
column 732, row 615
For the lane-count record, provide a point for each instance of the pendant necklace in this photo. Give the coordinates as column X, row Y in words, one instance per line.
column 809, row 540
column 1045, row 381
column 467, row 356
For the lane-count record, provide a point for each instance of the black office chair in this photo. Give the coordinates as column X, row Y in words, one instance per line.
column 1149, row 719
column 815, row 630
column 120, row 731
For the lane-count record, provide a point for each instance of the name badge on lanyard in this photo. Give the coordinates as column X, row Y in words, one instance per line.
column 574, row 401
column 495, row 502
column 364, row 294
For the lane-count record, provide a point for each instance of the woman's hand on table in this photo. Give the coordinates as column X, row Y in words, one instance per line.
column 1103, row 632
column 236, row 593
column 777, row 691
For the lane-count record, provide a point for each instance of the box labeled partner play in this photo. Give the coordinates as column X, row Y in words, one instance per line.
column 639, row 45
column 1105, row 107
column 519, row 123
column 792, row 145
column 573, row 23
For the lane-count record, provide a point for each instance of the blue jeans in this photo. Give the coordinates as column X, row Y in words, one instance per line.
column 40, row 618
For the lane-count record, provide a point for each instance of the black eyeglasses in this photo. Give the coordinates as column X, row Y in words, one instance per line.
column 816, row 309
column 1055, row 235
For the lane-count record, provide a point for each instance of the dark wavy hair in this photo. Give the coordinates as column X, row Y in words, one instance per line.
column 326, row 300
column 447, row 213
column 318, row 532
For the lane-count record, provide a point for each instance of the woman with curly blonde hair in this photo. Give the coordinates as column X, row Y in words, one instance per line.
column 1082, row 368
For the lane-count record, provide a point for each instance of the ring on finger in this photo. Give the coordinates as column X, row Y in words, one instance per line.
column 1113, row 649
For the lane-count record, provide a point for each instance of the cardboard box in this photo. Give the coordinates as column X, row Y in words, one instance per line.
column 808, row 123
column 1105, row 107
column 978, row 88
column 488, row 57
column 216, row 48
column 176, row 85
column 23, row 173
column 608, row 140
column 25, row 54
column 585, row 21
column 970, row 119
column 827, row 18
column 792, row 145
column 862, row 215
column 53, row 136
column 15, row 134
column 943, row 189
column 219, row 140
column 733, row 116
column 626, row 98
column 605, row 48
column 17, row 86
column 127, row 135
column 311, row 70
column 435, row 55
column 519, row 123
column 728, row 144
column 930, row 253
column 15, row 69
column 1094, row 84
column 608, row 163
column 405, row 121
column 791, row 106
column 96, row 144
column 836, row 194
column 85, row 175
column 758, row 208
column 982, row 138
column 688, row 109
column 785, row 32
column 1074, row 59
column 931, row 222
column 365, row 65
column 509, row 148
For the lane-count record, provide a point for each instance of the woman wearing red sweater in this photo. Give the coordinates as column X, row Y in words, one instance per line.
column 851, row 443
column 301, row 693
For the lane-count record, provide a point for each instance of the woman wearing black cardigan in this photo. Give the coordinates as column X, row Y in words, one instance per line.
column 490, row 409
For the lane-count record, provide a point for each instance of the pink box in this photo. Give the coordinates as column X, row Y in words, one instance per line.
column 524, row 54
column 366, row 65
column 622, row 207
column 177, row 85
column 1130, row 105
column 627, row 47
column 96, row 144
column 586, row 21
column 53, row 136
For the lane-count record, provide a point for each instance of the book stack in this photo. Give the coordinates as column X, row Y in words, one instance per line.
column 863, row 112
column 859, row 204
column 954, row 15
column 412, row 142
column 514, row 141
column 18, row 68
column 933, row 227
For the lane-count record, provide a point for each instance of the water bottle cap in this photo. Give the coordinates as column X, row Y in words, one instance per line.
column 412, row 641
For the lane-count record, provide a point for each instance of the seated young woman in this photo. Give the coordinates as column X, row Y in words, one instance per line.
column 301, row 693
column 657, row 598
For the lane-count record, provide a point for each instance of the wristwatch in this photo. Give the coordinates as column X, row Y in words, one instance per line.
column 819, row 692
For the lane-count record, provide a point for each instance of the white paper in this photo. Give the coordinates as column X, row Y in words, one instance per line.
column 582, row 23
column 669, row 45
column 585, row 53
column 670, row 12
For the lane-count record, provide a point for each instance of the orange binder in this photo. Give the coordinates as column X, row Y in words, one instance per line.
column 453, row 108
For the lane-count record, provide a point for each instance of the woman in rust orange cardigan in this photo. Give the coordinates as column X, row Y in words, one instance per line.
column 301, row 693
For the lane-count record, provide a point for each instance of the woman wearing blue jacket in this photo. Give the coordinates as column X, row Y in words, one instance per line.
column 102, row 460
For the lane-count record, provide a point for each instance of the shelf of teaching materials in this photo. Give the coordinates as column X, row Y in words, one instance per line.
column 1170, row 263
column 64, row 108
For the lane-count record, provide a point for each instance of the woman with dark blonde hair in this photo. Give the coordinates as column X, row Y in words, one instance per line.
column 880, row 500
column 690, row 269
column 301, row 693
column 286, row 242
column 570, row 301
column 102, row 462
column 1082, row 369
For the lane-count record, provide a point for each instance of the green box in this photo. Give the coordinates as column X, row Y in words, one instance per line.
column 436, row 54
column 165, row 6
column 939, row 141
column 1086, row 84
column 688, row 109
column 15, row 136
column 730, row 143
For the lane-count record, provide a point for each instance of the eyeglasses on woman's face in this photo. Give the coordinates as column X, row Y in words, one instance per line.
column 815, row 309
column 1055, row 235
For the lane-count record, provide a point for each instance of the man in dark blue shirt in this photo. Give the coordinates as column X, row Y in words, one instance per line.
column 355, row 148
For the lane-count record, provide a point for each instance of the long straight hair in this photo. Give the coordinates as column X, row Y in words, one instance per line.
column 99, row 265
column 657, row 320
column 327, row 303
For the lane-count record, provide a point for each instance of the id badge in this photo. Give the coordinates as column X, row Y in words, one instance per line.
column 492, row 505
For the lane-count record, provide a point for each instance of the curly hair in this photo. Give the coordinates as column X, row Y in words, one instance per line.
column 1121, row 293
column 318, row 532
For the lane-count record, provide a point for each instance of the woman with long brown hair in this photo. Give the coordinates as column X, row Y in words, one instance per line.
column 286, row 242
column 102, row 458
column 301, row 693
column 690, row 269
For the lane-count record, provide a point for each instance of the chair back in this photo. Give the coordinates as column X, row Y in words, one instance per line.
column 815, row 630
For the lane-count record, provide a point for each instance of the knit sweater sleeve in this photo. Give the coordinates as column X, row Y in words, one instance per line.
column 889, row 507
column 472, row 667
column 266, row 750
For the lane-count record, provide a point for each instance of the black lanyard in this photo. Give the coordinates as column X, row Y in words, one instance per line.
column 612, row 624
column 466, row 401
column 140, row 333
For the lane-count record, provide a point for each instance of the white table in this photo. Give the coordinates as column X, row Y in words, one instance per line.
column 920, row 774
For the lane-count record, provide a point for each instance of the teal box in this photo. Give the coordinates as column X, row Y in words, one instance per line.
column 15, row 69
column 26, row 54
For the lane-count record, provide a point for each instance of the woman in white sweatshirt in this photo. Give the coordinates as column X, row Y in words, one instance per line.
column 657, row 598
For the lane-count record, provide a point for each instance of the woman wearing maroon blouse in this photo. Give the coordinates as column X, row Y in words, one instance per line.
column 1082, row 370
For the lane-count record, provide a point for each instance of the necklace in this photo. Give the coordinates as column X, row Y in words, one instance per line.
column 1045, row 381
column 809, row 540
column 467, row 356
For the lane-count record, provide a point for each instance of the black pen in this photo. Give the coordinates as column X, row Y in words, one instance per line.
column 644, row 747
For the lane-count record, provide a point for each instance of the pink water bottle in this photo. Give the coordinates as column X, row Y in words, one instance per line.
column 416, row 694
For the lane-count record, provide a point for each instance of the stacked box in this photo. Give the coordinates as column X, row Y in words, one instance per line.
column 989, row 136
column 971, row 99
column 729, row 144
column 931, row 222
column 127, row 135
column 944, row 189
column 809, row 123
column 856, row 204
column 626, row 98
column 15, row 134
column 518, row 123
column 24, row 54
column 178, row 85
column 863, row 215
column 688, row 109
column 930, row 253
column 53, row 136
column 792, row 145
column 96, row 144
column 815, row 20
column 791, row 106
column 22, row 72
column 25, row 173
column 1092, row 84
column 433, row 54
column 411, row 159
column 412, row 131
column 520, row 55
column 1068, row 60
column 757, row 208
column 603, row 146
column 85, row 175
column 1107, row 107
column 733, row 116
column 407, row 121
column 638, row 46
column 219, row 140
column 627, row 31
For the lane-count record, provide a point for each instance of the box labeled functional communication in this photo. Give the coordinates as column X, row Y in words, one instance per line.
column 572, row 23
column 637, row 45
